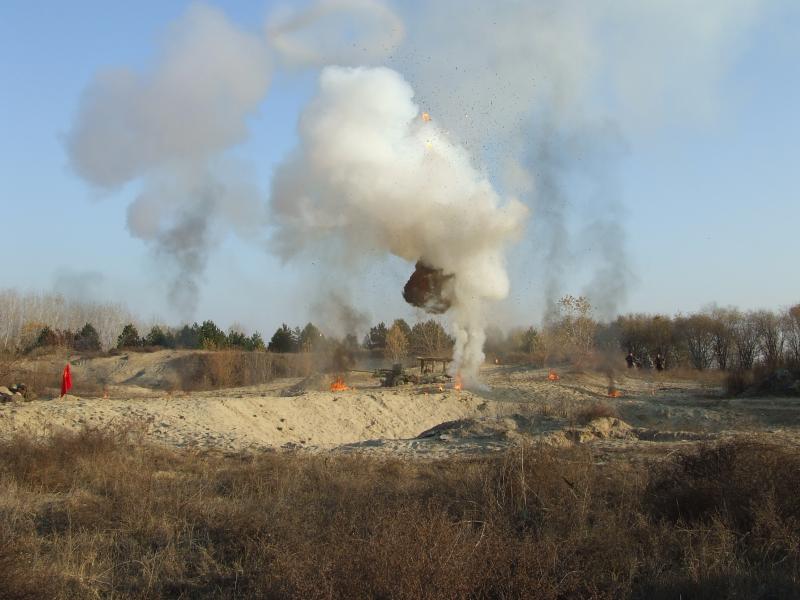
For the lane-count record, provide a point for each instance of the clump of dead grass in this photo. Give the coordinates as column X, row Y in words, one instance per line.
column 235, row 368
column 586, row 413
column 763, row 380
column 98, row 513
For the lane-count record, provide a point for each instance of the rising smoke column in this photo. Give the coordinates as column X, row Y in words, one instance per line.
column 370, row 174
column 168, row 127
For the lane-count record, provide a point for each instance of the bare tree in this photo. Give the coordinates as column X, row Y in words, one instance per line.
column 396, row 344
column 792, row 335
column 722, row 324
column 696, row 333
column 770, row 337
column 20, row 314
column 633, row 333
column 745, row 340
column 570, row 333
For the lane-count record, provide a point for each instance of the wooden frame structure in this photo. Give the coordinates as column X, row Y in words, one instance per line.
column 427, row 364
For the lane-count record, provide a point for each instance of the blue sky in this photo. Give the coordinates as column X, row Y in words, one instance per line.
column 710, row 205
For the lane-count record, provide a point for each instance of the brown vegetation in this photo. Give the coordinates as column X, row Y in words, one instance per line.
column 234, row 368
column 100, row 514
column 396, row 344
column 590, row 412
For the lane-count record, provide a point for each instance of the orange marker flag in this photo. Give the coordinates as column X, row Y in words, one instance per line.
column 66, row 380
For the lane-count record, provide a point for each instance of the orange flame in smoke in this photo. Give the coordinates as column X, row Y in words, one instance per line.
column 457, row 385
column 614, row 393
column 553, row 376
column 338, row 384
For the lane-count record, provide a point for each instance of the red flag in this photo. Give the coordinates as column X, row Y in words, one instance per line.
column 66, row 380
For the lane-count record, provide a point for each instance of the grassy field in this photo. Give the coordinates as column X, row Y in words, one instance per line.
column 103, row 514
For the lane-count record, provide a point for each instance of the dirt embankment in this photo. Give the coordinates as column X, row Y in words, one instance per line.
column 521, row 404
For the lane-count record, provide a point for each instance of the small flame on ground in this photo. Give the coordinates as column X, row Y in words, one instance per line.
column 553, row 376
column 426, row 117
column 338, row 384
column 614, row 393
column 457, row 385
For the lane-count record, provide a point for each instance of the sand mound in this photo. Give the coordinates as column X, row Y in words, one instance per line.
column 518, row 427
column 473, row 429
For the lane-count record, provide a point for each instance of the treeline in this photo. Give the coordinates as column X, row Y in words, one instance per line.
column 23, row 316
column 725, row 339
column 395, row 342
column 719, row 338
column 88, row 339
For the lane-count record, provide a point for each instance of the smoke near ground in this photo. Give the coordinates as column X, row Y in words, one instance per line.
column 337, row 316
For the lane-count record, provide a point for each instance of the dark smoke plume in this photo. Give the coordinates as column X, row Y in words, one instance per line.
column 425, row 289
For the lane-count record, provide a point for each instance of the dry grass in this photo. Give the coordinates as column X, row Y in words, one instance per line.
column 99, row 514
column 8, row 366
column 197, row 370
column 235, row 368
column 763, row 380
column 596, row 410
column 706, row 377
column 738, row 382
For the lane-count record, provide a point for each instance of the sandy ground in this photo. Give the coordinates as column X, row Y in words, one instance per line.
column 654, row 413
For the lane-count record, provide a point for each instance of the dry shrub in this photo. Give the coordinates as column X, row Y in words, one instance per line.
column 13, row 370
column 596, row 410
column 763, row 380
column 8, row 367
column 234, row 368
column 737, row 513
column 97, row 514
column 524, row 358
column 709, row 377
column 731, row 480
column 737, row 382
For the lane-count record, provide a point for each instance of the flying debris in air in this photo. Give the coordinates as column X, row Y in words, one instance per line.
column 426, row 289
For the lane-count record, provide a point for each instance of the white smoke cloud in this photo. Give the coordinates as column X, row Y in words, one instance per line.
column 170, row 125
column 336, row 32
column 545, row 90
column 371, row 174
column 537, row 93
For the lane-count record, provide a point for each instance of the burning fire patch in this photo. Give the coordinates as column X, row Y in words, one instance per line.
column 614, row 393
column 553, row 376
column 338, row 385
